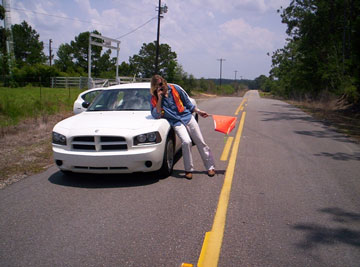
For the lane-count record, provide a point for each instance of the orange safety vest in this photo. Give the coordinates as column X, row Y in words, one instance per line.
column 177, row 99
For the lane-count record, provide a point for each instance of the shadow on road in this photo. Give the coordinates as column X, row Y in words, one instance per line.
column 316, row 234
column 103, row 180
column 278, row 116
column 86, row 180
column 340, row 156
column 300, row 116
column 327, row 134
column 179, row 174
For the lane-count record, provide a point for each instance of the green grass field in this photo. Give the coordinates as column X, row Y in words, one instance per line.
column 17, row 104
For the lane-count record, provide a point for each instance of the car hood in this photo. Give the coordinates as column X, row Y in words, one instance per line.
column 116, row 120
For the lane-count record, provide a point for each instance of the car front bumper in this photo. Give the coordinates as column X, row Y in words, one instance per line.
column 140, row 159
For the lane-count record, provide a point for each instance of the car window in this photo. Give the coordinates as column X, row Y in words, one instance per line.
column 89, row 97
column 122, row 99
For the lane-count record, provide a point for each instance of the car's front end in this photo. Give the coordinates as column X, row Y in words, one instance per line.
column 101, row 142
column 116, row 134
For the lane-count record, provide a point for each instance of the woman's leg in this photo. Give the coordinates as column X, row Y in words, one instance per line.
column 186, row 144
column 204, row 150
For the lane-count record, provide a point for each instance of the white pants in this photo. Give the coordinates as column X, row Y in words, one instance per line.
column 192, row 130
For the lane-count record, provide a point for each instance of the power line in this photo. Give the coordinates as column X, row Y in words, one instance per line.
column 142, row 25
column 61, row 17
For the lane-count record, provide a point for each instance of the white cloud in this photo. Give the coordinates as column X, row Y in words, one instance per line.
column 245, row 36
column 229, row 6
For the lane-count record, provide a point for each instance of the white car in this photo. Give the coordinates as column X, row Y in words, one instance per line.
column 116, row 134
column 86, row 96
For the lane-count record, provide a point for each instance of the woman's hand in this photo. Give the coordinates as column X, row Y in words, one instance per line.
column 160, row 93
column 201, row 113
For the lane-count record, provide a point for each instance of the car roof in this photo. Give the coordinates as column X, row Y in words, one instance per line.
column 145, row 85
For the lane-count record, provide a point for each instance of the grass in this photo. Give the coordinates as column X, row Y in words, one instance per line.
column 27, row 116
column 17, row 104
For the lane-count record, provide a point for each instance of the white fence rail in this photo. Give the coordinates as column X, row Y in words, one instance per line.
column 69, row 82
column 84, row 82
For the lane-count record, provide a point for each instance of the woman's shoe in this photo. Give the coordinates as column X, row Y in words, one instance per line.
column 211, row 173
column 188, row 175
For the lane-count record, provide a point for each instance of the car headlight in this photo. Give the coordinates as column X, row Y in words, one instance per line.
column 148, row 138
column 58, row 139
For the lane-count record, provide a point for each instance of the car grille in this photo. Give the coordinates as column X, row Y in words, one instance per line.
column 98, row 143
column 99, row 168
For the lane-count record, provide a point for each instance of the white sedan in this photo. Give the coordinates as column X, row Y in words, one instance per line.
column 86, row 96
column 116, row 134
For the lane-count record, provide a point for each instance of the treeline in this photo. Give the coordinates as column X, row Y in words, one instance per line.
column 321, row 58
column 30, row 66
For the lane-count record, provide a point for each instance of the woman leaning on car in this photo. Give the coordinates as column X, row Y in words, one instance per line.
column 173, row 104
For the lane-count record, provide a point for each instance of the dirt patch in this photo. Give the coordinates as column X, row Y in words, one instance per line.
column 203, row 95
column 25, row 149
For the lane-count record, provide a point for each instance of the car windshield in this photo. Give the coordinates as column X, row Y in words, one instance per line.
column 122, row 99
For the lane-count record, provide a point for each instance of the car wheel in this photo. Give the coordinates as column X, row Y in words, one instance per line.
column 168, row 159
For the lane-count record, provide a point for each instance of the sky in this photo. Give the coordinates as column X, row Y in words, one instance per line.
column 201, row 32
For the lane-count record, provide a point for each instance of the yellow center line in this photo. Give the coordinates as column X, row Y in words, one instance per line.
column 226, row 151
column 210, row 251
column 241, row 106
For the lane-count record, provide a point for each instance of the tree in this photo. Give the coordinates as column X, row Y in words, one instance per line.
column 144, row 62
column 80, row 48
column 27, row 47
column 125, row 69
column 2, row 12
column 65, row 56
column 261, row 83
column 105, row 65
column 3, row 52
column 322, row 52
column 73, row 57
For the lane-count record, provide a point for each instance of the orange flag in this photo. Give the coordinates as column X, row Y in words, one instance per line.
column 224, row 124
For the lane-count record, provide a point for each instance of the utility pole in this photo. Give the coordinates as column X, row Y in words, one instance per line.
column 50, row 56
column 160, row 11
column 235, row 74
column 9, row 38
column 221, row 60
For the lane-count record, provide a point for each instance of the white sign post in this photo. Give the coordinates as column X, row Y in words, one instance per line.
column 107, row 43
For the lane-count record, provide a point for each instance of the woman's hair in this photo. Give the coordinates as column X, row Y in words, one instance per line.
column 153, row 83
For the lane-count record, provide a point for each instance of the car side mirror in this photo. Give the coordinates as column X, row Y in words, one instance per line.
column 85, row 104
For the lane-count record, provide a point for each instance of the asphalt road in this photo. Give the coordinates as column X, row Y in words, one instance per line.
column 294, row 201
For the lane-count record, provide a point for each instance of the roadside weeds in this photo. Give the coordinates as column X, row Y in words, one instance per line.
column 25, row 149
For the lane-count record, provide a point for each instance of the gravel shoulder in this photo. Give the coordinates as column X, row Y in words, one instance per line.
column 25, row 149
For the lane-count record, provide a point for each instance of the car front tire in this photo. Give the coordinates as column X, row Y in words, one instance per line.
column 168, row 159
